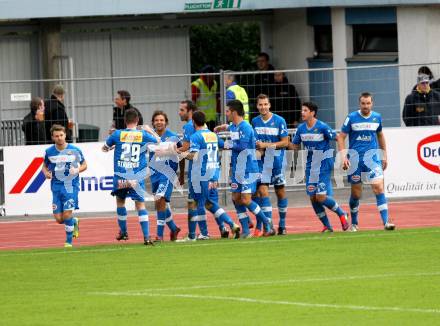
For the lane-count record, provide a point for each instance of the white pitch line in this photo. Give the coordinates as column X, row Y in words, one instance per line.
column 231, row 242
column 277, row 302
column 281, row 282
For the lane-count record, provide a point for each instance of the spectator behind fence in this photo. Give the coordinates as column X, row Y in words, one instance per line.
column 34, row 126
column 122, row 102
column 422, row 106
column 263, row 83
column 204, row 91
column 285, row 100
column 434, row 84
column 236, row 92
column 55, row 113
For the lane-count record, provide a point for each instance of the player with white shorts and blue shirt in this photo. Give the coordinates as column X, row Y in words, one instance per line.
column 272, row 139
column 62, row 164
column 366, row 158
column 315, row 135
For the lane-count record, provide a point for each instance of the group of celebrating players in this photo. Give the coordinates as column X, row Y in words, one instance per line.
column 257, row 161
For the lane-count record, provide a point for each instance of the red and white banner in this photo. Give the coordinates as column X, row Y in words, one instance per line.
column 413, row 162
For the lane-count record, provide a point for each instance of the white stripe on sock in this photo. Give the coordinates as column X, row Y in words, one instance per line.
column 68, row 228
column 160, row 222
column 122, row 217
column 242, row 216
column 219, row 212
column 143, row 218
column 282, row 209
column 382, row 207
column 266, row 209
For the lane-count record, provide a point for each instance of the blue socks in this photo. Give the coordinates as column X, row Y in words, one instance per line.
column 243, row 218
column 192, row 223
column 169, row 218
column 143, row 220
column 201, row 212
column 220, row 215
column 68, row 226
column 282, row 209
column 320, row 212
column 122, row 218
column 161, row 216
column 256, row 210
column 330, row 203
column 259, row 202
column 354, row 209
column 382, row 206
column 266, row 207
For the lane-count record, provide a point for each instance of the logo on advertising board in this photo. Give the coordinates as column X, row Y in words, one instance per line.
column 87, row 183
column 428, row 153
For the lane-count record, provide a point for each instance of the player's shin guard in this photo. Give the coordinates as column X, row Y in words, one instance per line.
column 192, row 223
column 169, row 218
column 259, row 202
column 161, row 216
column 68, row 226
column 122, row 219
column 282, row 210
column 330, row 203
column 382, row 206
column 243, row 218
column 354, row 209
column 256, row 210
column 320, row 212
column 143, row 220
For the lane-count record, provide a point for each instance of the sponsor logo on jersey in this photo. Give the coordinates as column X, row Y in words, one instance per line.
column 356, row 178
column 364, row 138
column 234, row 186
column 131, row 137
column 311, row 188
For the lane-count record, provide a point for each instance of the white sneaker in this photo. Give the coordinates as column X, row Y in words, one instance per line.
column 203, row 237
column 354, row 228
column 389, row 226
column 186, row 239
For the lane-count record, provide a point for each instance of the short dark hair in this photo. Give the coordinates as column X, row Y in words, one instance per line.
column 365, row 94
column 262, row 97
column 265, row 55
column 159, row 112
column 131, row 116
column 57, row 127
column 199, row 118
column 312, row 107
column 237, row 106
column 125, row 95
column 35, row 103
column 425, row 71
column 190, row 106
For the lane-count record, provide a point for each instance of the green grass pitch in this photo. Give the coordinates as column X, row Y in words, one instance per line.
column 365, row 278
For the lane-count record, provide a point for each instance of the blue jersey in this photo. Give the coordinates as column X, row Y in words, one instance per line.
column 362, row 131
column 156, row 164
column 205, row 142
column 188, row 131
column 243, row 138
column 59, row 163
column 130, row 152
column 314, row 139
column 271, row 131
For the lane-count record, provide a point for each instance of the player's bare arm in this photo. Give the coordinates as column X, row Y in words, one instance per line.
column 46, row 172
column 383, row 147
column 221, row 128
column 283, row 143
column 340, row 140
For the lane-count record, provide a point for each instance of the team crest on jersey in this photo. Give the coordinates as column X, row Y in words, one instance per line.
column 356, row 178
column 234, row 186
column 311, row 188
column 131, row 137
column 54, row 207
column 209, row 137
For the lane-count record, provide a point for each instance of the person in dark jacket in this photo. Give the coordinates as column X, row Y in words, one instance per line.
column 55, row 113
column 34, row 126
column 434, row 84
column 422, row 106
column 122, row 102
column 285, row 100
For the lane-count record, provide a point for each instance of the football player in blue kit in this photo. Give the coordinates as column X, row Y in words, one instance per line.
column 272, row 139
column 316, row 136
column 366, row 158
column 204, row 176
column 244, row 167
column 62, row 164
column 163, row 175
column 130, row 167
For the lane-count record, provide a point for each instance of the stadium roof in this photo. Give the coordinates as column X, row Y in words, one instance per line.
column 28, row 9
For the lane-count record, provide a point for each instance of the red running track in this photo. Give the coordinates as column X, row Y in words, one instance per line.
column 102, row 230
